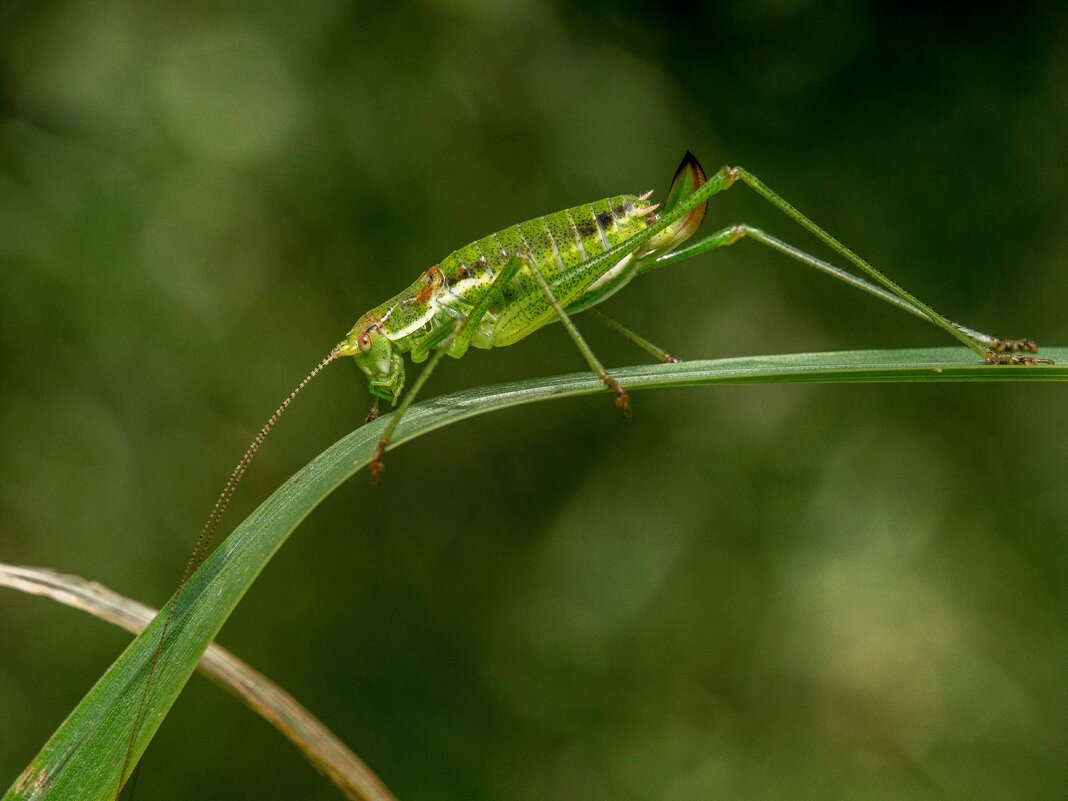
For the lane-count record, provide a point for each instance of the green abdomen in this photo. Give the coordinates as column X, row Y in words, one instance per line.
column 557, row 244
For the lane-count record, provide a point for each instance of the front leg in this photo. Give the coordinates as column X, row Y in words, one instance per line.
column 373, row 414
column 461, row 331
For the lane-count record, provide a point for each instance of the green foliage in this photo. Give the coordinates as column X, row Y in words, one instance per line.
column 82, row 759
column 752, row 593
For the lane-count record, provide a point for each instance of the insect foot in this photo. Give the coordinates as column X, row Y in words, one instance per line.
column 377, row 465
column 1010, row 345
column 622, row 398
column 1013, row 358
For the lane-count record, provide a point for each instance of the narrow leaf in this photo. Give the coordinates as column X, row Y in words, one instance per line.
column 83, row 758
column 321, row 746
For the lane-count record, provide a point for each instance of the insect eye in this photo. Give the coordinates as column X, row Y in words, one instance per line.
column 364, row 342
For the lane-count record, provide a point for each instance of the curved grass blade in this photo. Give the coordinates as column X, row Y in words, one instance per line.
column 83, row 758
column 319, row 745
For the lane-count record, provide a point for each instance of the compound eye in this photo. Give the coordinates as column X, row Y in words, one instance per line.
column 364, row 342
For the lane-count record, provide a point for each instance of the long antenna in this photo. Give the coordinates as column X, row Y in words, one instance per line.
column 200, row 549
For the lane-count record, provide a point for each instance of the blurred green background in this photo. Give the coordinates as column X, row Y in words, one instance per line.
column 746, row 593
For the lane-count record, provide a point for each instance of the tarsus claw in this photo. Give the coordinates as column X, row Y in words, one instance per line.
column 1012, row 358
column 377, row 465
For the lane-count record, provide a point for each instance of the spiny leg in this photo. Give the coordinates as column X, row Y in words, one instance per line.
column 655, row 351
column 786, row 208
column 957, row 330
column 731, row 234
column 462, row 329
column 622, row 399
column 999, row 345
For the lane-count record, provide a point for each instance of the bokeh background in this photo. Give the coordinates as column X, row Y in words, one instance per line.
column 747, row 593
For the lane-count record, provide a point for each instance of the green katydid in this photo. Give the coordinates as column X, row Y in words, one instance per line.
column 504, row 287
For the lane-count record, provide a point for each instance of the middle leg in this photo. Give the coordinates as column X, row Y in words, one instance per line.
column 622, row 399
column 655, row 351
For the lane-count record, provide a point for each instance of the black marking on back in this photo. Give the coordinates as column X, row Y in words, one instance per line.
column 585, row 229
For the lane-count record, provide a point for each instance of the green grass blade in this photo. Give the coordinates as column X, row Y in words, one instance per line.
column 83, row 758
column 320, row 746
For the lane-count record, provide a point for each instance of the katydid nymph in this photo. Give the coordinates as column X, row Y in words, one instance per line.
column 505, row 286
